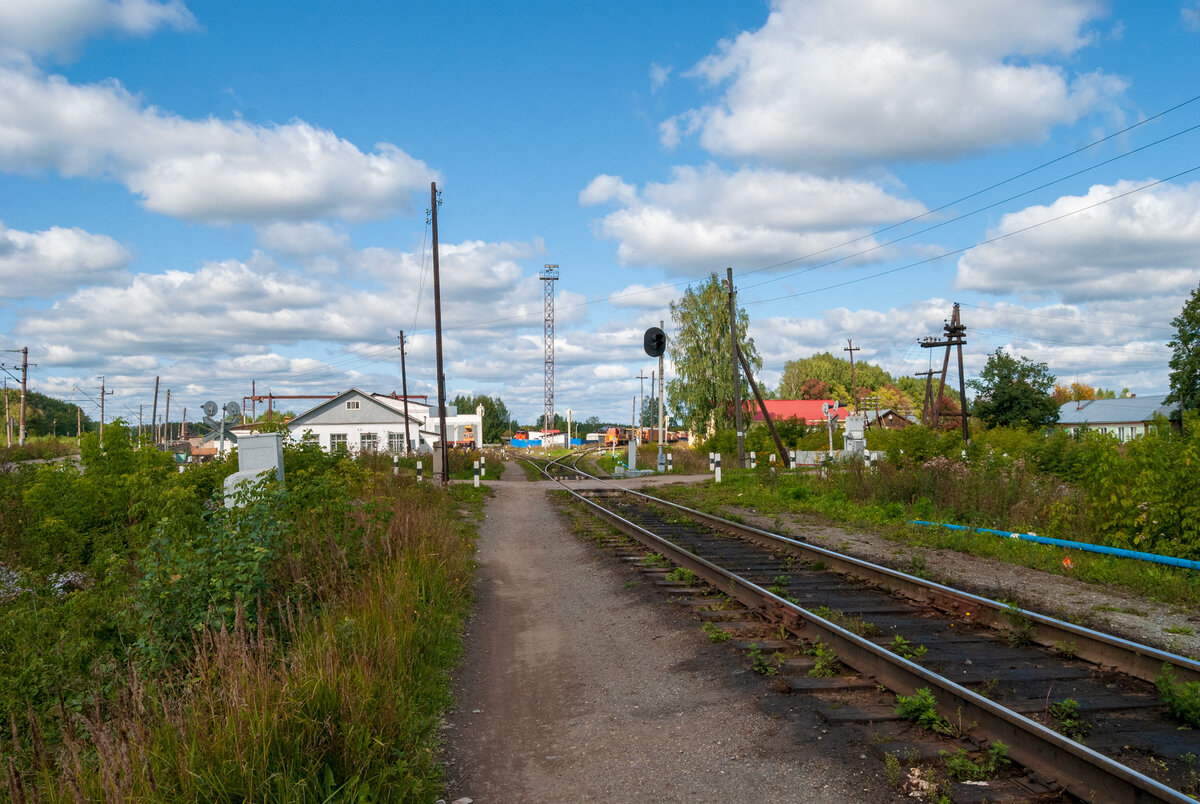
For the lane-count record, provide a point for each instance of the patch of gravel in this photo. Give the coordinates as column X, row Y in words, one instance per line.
column 578, row 685
column 1107, row 609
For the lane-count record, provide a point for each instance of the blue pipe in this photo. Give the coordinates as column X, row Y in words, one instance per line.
column 1091, row 548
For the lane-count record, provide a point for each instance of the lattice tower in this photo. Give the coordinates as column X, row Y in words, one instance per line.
column 549, row 275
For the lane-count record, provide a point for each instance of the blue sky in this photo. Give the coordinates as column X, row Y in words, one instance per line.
column 221, row 193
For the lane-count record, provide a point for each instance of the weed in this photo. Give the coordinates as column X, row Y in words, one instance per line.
column 715, row 633
column 853, row 624
column 1065, row 649
column 891, row 765
column 631, row 583
column 921, row 708
column 682, row 575
column 902, row 647
column 1182, row 630
column 1071, row 723
column 1121, row 610
column 988, row 688
column 1182, row 699
column 1021, row 629
column 918, row 568
column 826, row 664
column 764, row 665
column 655, row 560
column 961, row 768
column 956, row 728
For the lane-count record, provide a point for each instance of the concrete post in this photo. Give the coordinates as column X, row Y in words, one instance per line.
column 476, row 474
column 395, row 465
column 419, row 467
column 718, row 468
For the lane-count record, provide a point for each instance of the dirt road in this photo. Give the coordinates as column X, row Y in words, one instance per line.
column 580, row 683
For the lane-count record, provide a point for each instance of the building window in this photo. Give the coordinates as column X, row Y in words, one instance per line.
column 368, row 442
column 396, row 443
column 1121, row 433
column 337, row 442
column 309, row 437
column 352, row 404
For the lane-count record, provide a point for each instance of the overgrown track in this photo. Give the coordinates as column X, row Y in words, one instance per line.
column 998, row 666
column 564, row 467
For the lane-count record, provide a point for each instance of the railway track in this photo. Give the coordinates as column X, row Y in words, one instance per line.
column 1074, row 706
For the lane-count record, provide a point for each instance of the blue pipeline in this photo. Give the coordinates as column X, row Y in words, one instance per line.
column 1091, row 548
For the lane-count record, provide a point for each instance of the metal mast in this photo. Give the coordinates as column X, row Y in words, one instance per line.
column 549, row 275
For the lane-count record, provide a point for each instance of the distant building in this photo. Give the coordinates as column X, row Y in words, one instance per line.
column 355, row 421
column 808, row 411
column 1126, row 418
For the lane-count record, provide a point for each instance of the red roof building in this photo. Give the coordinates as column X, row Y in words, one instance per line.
column 807, row 410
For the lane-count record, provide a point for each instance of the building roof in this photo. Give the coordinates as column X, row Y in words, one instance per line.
column 1114, row 411
column 807, row 410
column 372, row 410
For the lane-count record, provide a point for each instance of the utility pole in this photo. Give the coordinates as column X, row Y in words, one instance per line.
column 166, row 431
column 437, row 321
column 737, row 380
column 927, row 403
column 642, row 394
column 955, row 336
column 7, row 417
column 404, row 390
column 253, row 402
column 24, row 382
column 154, row 412
column 140, row 421
column 853, row 386
column 78, row 421
column 103, row 394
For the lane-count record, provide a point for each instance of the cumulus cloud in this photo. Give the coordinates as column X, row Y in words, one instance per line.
column 641, row 297
column 831, row 82
column 1143, row 244
column 706, row 217
column 56, row 27
column 57, row 260
column 204, row 170
column 659, row 75
column 305, row 239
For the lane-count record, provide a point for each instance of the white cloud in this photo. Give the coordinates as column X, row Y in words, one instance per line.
column 206, row 170
column 57, row 260
column 42, row 27
column 659, row 75
column 706, row 218
column 830, row 82
column 1190, row 15
column 306, row 239
column 641, row 297
column 1144, row 244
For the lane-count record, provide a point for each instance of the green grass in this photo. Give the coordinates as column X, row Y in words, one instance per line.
column 335, row 701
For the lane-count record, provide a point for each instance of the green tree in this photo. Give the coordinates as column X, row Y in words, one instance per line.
column 496, row 418
column 1185, row 357
column 806, row 377
column 1014, row 392
column 700, row 350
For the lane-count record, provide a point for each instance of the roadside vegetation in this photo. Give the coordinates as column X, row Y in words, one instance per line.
column 155, row 645
column 1140, row 495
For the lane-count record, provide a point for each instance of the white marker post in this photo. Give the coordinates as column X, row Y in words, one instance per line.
column 670, row 463
column 710, row 461
column 395, row 465
column 476, row 474
column 483, row 465
column 718, row 468
column 419, row 472
column 753, row 460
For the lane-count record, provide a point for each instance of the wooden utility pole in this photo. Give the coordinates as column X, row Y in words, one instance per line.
column 437, row 324
column 253, row 401
column 78, row 422
column 641, row 396
column 183, row 427
column 955, row 336
column 7, row 418
column 737, row 380
column 24, row 382
column 103, row 394
column 404, row 390
column 154, row 412
column 140, row 421
column 783, row 453
column 927, row 402
column 853, row 385
column 166, row 433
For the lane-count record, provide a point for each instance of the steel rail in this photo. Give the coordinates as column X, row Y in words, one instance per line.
column 1081, row 771
column 1131, row 658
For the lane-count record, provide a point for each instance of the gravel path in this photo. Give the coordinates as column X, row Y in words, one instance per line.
column 578, row 685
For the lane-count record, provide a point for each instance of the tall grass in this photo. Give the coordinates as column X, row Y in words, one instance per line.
column 329, row 692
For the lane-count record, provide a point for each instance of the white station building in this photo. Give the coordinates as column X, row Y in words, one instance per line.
column 355, row 421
